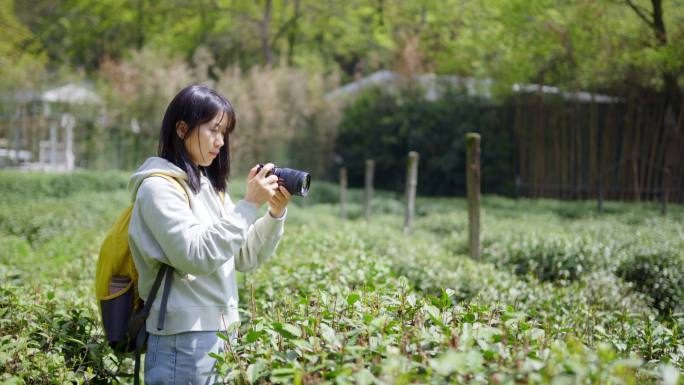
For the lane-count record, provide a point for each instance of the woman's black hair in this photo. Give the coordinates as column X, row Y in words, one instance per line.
column 195, row 105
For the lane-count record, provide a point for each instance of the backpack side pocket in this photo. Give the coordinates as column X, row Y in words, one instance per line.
column 116, row 311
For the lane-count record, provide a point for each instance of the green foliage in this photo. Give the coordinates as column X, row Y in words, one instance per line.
column 52, row 336
column 48, row 321
column 551, row 258
column 658, row 274
column 509, row 40
column 577, row 45
column 21, row 56
column 359, row 302
column 27, row 187
column 385, row 127
column 366, row 304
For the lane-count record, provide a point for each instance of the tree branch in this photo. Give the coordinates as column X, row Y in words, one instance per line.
column 284, row 27
column 642, row 13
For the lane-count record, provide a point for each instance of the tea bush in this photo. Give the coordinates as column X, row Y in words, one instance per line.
column 356, row 301
column 658, row 274
column 22, row 187
column 51, row 337
column 345, row 308
column 550, row 258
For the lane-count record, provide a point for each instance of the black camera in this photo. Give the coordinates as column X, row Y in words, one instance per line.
column 295, row 181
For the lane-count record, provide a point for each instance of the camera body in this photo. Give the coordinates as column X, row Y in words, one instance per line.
column 296, row 182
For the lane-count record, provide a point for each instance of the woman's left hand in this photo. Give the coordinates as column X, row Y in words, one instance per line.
column 278, row 202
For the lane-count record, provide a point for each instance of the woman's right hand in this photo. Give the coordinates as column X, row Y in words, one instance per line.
column 260, row 188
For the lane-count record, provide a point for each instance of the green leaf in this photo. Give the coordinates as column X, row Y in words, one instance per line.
column 459, row 362
column 222, row 335
column 352, row 298
column 252, row 336
column 255, row 371
column 328, row 334
column 218, row 357
column 286, row 330
column 280, row 372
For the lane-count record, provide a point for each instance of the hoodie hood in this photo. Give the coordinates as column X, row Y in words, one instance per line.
column 153, row 165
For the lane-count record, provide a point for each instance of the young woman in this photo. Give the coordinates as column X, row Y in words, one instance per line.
column 200, row 233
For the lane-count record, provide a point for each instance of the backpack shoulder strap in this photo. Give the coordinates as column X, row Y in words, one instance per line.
column 175, row 183
column 141, row 337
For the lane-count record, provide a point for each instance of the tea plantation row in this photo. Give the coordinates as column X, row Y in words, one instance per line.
column 562, row 295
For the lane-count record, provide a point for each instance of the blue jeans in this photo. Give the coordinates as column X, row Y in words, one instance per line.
column 182, row 359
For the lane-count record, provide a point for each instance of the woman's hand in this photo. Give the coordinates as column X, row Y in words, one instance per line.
column 278, row 202
column 261, row 188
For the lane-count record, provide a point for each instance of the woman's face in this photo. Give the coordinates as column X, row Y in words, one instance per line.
column 204, row 143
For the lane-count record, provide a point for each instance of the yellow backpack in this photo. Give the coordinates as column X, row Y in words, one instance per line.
column 116, row 288
column 115, row 259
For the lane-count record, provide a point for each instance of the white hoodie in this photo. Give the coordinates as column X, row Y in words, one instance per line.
column 205, row 242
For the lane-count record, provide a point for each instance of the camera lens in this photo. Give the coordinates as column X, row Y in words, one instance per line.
column 295, row 181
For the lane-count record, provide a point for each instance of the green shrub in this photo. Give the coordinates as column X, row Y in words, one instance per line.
column 386, row 127
column 51, row 337
column 660, row 275
column 39, row 220
column 550, row 258
column 20, row 187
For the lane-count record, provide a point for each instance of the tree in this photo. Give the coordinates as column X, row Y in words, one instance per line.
column 670, row 73
column 21, row 71
column 21, row 56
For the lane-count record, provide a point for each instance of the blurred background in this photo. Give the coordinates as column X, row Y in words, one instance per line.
column 574, row 100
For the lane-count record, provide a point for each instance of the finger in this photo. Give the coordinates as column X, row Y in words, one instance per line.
column 266, row 169
column 286, row 193
column 279, row 197
column 277, row 205
column 252, row 172
column 272, row 179
column 277, row 202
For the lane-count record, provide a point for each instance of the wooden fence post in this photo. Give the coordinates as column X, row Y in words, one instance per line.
column 343, row 192
column 473, row 180
column 599, row 164
column 600, row 196
column 370, row 169
column 665, row 191
column 411, row 183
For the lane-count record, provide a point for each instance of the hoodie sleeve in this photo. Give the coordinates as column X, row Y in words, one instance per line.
column 189, row 245
column 262, row 240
